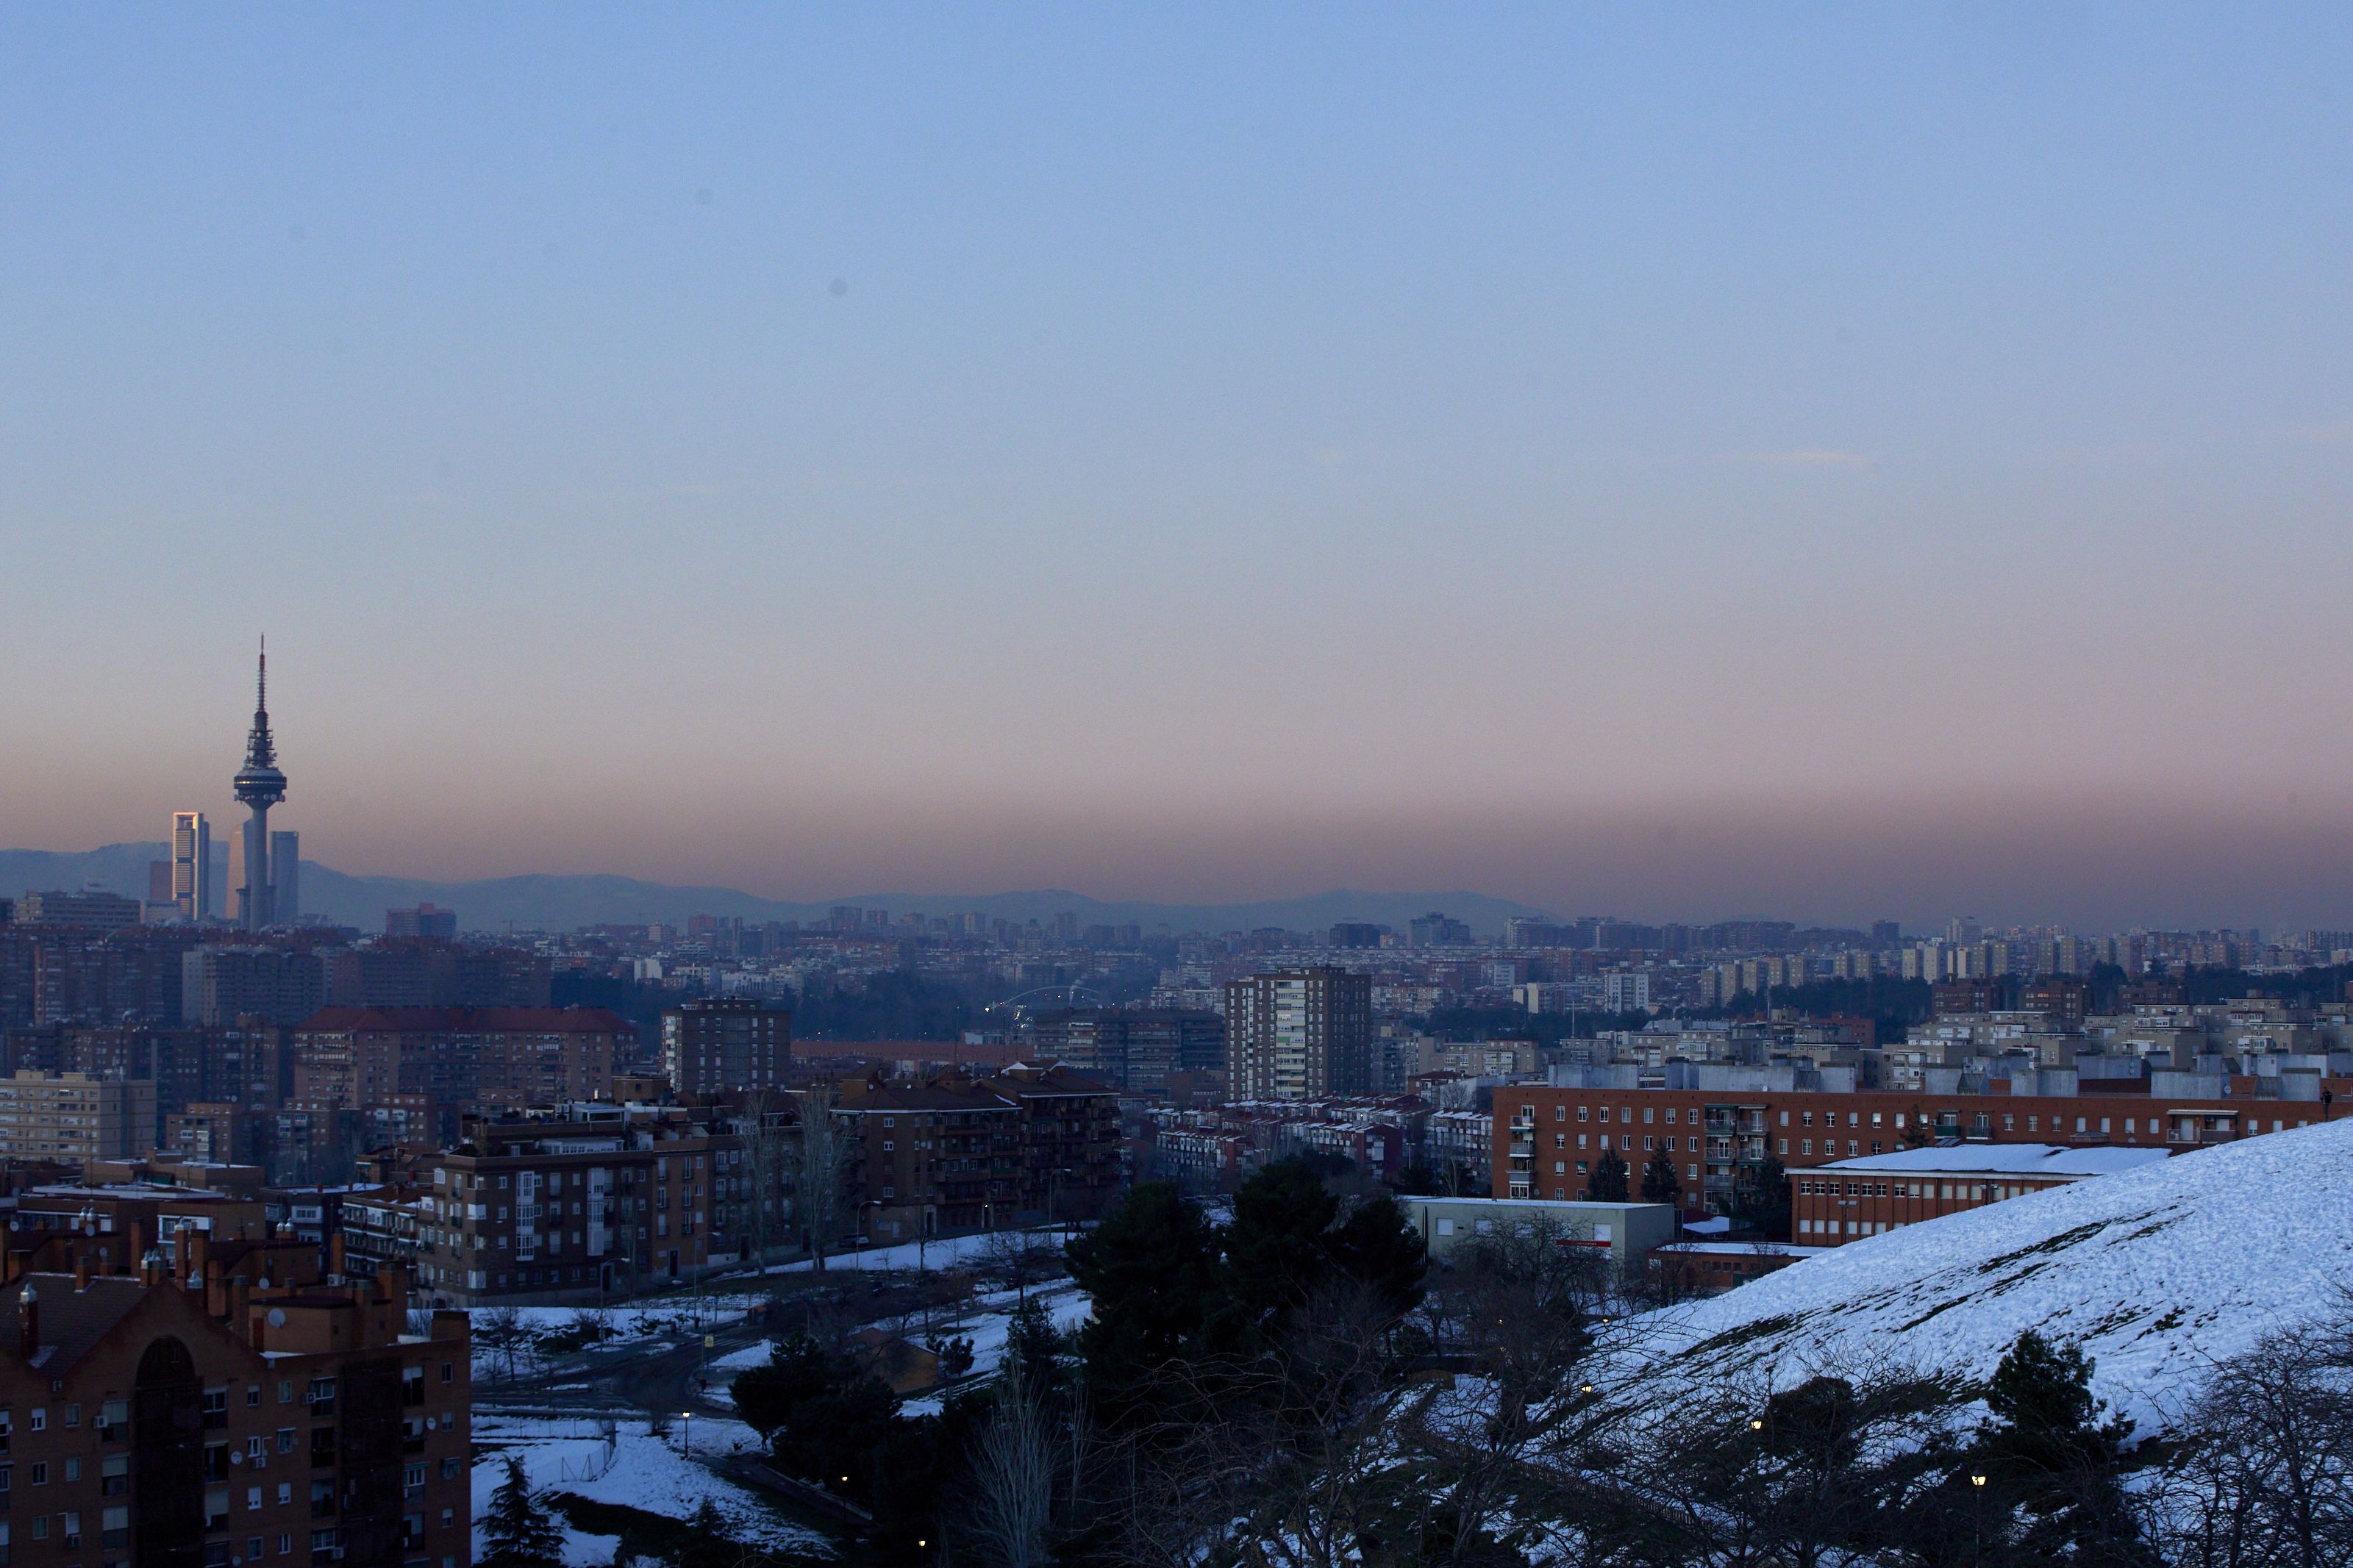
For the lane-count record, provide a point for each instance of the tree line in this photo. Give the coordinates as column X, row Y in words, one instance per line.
column 1297, row 1386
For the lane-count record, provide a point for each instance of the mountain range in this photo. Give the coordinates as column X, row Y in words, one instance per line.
column 563, row 902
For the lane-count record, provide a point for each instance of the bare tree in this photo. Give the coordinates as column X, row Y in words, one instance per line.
column 1014, row 1468
column 768, row 1142
column 2263, row 1473
column 824, row 1160
column 502, row 1332
column 1021, row 1258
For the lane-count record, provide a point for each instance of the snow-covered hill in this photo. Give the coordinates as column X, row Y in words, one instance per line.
column 2157, row 1273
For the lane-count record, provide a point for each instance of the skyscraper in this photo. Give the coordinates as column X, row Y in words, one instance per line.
column 192, row 864
column 285, row 878
column 259, row 785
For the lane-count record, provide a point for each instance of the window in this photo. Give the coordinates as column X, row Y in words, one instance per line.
column 286, row 1439
column 252, row 1396
column 1560, row 1113
column 71, row 1523
column 40, row 1472
column 73, row 1415
column 73, row 1469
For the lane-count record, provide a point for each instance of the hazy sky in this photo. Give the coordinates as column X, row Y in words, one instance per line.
column 1682, row 461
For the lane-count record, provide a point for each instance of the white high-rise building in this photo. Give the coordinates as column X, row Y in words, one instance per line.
column 192, row 864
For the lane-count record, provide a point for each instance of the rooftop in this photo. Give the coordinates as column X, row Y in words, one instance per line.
column 2005, row 1159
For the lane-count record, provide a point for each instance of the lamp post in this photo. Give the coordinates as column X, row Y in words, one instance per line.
column 686, row 1433
column 1977, row 1518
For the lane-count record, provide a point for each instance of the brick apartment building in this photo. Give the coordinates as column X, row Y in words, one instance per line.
column 1030, row 1144
column 722, row 1045
column 444, row 1061
column 1134, row 1050
column 1548, row 1138
column 576, row 1202
column 155, row 1421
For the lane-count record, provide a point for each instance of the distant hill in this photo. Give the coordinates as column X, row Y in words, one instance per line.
column 2157, row 1273
column 562, row 903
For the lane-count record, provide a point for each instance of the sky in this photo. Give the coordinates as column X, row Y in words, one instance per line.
column 1815, row 460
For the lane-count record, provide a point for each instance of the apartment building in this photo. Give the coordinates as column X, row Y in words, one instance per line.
column 722, row 1045
column 1300, row 1033
column 934, row 1158
column 204, row 1421
column 582, row 1201
column 456, row 1058
column 74, row 1117
column 1134, row 1051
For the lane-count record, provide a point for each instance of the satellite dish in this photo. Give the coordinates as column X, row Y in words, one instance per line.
column 277, row 1318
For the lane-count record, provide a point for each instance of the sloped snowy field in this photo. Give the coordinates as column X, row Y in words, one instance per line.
column 638, row 1470
column 2157, row 1273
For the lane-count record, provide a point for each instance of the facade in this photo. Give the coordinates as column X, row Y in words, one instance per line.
column 1712, row 1267
column 87, row 910
column 726, row 1043
column 454, row 1059
column 190, row 888
column 1622, row 1233
column 285, row 878
column 1300, row 1033
column 1851, row 1199
column 1133, row 1050
column 156, row 1423
column 221, row 984
column 1069, row 1132
column 1554, row 1134
column 583, row 1201
column 425, row 921
column 73, row 1117
column 934, row 1158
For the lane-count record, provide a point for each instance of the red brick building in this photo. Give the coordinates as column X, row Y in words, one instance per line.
column 1869, row 1196
column 1548, row 1138
column 148, row 1421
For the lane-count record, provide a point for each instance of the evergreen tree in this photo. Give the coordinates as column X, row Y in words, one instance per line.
column 1660, row 1184
column 516, row 1532
column 1763, row 1199
column 1274, row 1247
column 1149, row 1269
column 1608, row 1180
column 1374, row 1245
column 1033, row 1348
column 2056, row 1451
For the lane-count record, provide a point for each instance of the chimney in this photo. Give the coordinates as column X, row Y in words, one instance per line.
column 335, row 1256
column 151, row 1268
column 199, row 1253
column 28, row 1321
column 81, row 1271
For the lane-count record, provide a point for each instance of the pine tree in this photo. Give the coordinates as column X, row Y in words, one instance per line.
column 1609, row 1180
column 2054, row 1449
column 517, row 1533
column 1660, row 1184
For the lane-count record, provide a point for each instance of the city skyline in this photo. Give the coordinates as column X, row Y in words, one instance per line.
column 1833, row 466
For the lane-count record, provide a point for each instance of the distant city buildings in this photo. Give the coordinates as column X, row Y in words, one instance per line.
column 422, row 920
column 190, row 887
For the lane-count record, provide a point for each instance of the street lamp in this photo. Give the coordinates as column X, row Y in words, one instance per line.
column 1977, row 1518
column 686, row 1437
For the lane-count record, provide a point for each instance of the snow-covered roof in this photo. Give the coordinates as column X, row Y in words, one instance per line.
column 2005, row 1159
column 2157, row 1272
